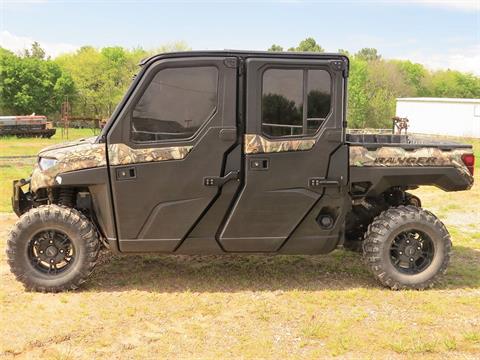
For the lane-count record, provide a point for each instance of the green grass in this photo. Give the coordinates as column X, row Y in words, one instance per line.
column 8, row 174
column 13, row 146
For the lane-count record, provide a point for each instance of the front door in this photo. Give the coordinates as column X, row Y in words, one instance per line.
column 294, row 124
column 167, row 148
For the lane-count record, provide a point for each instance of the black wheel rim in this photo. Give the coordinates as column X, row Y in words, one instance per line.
column 51, row 252
column 411, row 252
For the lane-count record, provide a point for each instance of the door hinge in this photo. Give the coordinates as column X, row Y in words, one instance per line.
column 231, row 62
column 340, row 65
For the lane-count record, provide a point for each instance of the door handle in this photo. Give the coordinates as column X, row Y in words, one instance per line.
column 322, row 182
column 126, row 173
column 220, row 180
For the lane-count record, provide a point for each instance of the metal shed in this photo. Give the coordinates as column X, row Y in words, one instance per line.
column 441, row 116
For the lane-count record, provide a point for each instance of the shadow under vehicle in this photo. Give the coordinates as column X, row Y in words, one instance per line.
column 235, row 152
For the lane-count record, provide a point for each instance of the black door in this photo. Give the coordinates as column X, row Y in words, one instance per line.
column 168, row 146
column 294, row 124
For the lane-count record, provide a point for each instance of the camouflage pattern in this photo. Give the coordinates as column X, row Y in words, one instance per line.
column 85, row 154
column 82, row 154
column 257, row 144
column 398, row 157
column 369, row 131
column 121, row 154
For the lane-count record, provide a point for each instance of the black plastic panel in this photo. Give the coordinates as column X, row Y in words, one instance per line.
column 161, row 203
column 276, row 197
column 96, row 179
column 383, row 178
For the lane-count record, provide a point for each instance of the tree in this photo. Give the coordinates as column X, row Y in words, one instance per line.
column 318, row 103
column 173, row 47
column 368, row 54
column 343, row 52
column 275, row 48
column 86, row 68
column 308, row 45
column 373, row 89
column 118, row 68
column 357, row 96
column 35, row 51
column 31, row 84
column 102, row 76
column 450, row 83
column 277, row 109
column 416, row 75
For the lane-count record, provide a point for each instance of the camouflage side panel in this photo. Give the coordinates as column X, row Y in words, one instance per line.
column 86, row 154
column 121, row 154
column 75, row 157
column 257, row 144
column 399, row 157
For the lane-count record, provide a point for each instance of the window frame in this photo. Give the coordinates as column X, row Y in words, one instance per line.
column 145, row 88
column 305, row 118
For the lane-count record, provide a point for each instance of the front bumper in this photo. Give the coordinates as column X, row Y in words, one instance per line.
column 21, row 201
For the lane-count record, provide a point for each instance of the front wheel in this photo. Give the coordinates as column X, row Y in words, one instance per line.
column 407, row 247
column 52, row 248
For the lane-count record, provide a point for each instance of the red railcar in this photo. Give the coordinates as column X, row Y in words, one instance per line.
column 26, row 126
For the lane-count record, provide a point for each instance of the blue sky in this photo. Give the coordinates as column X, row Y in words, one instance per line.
column 437, row 33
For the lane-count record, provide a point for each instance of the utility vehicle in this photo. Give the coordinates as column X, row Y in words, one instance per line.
column 235, row 152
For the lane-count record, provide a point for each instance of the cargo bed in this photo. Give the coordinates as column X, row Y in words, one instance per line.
column 374, row 141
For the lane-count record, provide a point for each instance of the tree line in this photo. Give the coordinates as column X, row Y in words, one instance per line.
column 94, row 80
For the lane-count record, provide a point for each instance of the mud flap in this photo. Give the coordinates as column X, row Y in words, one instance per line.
column 20, row 201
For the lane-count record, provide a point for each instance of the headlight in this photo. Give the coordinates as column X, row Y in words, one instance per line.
column 46, row 163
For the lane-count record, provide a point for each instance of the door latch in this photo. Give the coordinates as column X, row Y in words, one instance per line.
column 220, row 180
column 259, row 164
column 125, row 173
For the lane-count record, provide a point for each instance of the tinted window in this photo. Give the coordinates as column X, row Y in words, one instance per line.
column 282, row 102
column 319, row 96
column 283, row 97
column 175, row 104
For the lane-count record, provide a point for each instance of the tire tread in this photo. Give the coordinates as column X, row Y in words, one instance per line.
column 376, row 235
column 61, row 214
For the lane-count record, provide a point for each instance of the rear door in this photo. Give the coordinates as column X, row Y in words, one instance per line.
column 294, row 123
column 167, row 148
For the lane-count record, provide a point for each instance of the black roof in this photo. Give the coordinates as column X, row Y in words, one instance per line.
column 244, row 54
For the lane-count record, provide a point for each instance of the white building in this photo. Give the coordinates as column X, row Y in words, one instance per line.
column 441, row 116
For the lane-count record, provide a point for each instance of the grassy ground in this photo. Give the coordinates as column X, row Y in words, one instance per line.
column 12, row 146
column 253, row 306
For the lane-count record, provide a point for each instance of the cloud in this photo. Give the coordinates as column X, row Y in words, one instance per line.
column 18, row 43
column 466, row 59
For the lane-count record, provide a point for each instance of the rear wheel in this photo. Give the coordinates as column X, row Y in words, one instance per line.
column 407, row 248
column 52, row 248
